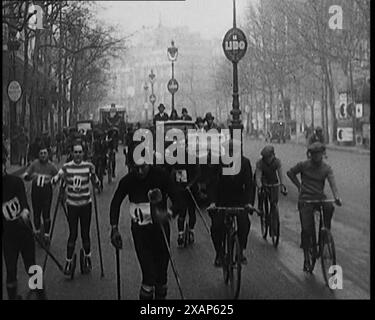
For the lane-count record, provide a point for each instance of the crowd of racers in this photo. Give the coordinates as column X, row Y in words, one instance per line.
column 148, row 188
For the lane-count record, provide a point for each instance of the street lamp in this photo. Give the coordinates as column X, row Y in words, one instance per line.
column 145, row 87
column 235, row 46
column 172, row 53
column 152, row 96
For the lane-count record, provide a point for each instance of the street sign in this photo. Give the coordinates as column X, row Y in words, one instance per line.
column 172, row 86
column 14, row 91
column 234, row 44
column 359, row 110
column 152, row 98
column 344, row 134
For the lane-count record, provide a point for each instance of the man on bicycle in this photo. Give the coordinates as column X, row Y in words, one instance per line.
column 314, row 173
column 268, row 172
column 231, row 191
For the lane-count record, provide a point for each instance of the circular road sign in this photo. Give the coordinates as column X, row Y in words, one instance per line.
column 234, row 44
column 152, row 98
column 14, row 91
column 172, row 86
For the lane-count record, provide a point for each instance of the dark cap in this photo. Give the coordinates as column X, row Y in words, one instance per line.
column 267, row 151
column 319, row 129
column 161, row 106
column 209, row 116
column 184, row 110
column 316, row 147
column 199, row 119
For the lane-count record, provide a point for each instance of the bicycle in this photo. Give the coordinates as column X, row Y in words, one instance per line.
column 325, row 248
column 231, row 246
column 268, row 220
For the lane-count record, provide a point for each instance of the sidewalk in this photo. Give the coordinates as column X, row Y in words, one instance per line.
column 301, row 141
column 331, row 146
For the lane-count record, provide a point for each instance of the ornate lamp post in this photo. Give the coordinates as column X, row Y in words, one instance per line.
column 235, row 46
column 172, row 53
column 152, row 96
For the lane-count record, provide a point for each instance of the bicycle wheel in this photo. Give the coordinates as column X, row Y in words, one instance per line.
column 275, row 225
column 327, row 253
column 235, row 266
column 225, row 262
column 264, row 218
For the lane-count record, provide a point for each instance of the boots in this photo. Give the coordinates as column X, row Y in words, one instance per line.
column 85, row 262
column 70, row 266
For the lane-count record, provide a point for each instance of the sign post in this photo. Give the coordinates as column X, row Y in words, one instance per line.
column 235, row 46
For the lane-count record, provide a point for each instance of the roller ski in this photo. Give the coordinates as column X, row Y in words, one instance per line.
column 85, row 262
column 70, row 267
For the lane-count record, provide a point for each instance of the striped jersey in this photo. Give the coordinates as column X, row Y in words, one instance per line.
column 77, row 180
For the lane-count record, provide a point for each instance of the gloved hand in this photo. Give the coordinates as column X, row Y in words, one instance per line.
column 338, row 202
column 54, row 180
column 211, row 207
column 116, row 239
column 284, row 191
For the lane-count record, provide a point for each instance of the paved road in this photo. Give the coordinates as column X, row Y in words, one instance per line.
column 270, row 273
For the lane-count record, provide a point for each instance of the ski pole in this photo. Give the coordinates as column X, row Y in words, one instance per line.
column 48, row 252
column 199, row 211
column 172, row 263
column 98, row 231
column 118, row 274
column 53, row 224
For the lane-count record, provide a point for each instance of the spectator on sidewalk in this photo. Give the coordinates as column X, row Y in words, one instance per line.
column 185, row 115
column 23, row 142
column 317, row 136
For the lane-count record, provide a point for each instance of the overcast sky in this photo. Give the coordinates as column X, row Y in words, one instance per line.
column 212, row 18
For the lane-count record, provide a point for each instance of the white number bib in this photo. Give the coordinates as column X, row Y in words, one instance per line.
column 140, row 213
column 181, row 176
column 11, row 209
column 77, row 183
column 41, row 180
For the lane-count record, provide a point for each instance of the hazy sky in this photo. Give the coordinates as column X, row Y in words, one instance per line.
column 212, row 18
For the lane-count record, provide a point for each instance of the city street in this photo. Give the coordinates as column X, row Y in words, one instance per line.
column 270, row 273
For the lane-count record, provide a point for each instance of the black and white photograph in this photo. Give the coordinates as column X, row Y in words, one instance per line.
column 206, row 150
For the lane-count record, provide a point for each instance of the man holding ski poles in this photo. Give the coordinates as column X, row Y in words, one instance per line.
column 17, row 232
column 77, row 175
column 147, row 188
column 40, row 172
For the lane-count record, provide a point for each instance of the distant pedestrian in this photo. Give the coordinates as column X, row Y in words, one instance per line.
column 185, row 115
column 161, row 115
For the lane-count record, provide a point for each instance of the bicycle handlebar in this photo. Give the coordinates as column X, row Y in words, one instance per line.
column 271, row 185
column 318, row 201
column 234, row 210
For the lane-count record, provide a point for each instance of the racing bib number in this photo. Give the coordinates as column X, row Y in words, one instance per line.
column 181, row 176
column 11, row 209
column 41, row 180
column 140, row 213
column 77, row 183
